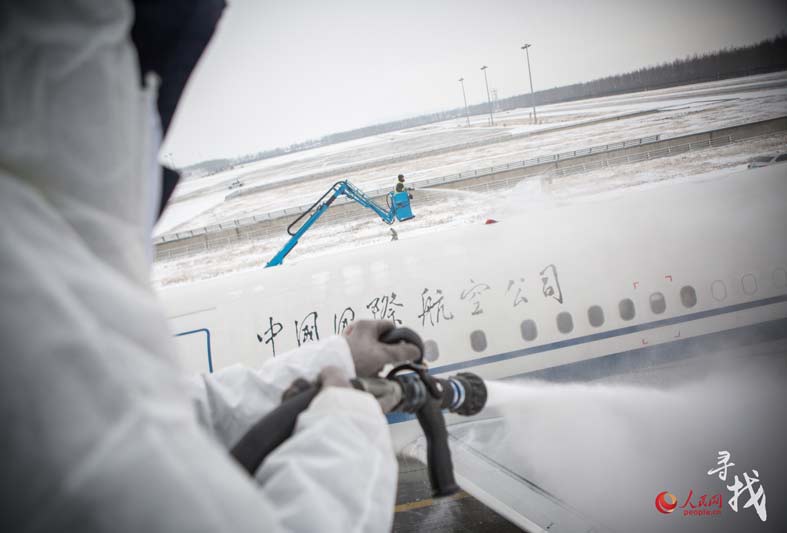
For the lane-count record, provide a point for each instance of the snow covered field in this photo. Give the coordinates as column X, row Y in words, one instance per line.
column 671, row 112
column 462, row 207
column 675, row 111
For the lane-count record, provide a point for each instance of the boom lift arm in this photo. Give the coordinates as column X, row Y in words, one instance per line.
column 398, row 209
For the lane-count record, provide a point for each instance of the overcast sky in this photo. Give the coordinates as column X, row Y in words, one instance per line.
column 279, row 72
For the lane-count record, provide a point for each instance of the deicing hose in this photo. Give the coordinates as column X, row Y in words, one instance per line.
column 411, row 392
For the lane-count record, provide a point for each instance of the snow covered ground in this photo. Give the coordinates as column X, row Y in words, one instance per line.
column 675, row 111
column 452, row 208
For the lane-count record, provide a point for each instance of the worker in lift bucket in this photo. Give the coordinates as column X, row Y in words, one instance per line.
column 102, row 431
column 400, row 186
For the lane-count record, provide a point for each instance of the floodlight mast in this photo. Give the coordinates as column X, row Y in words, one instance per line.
column 464, row 97
column 530, row 75
column 488, row 98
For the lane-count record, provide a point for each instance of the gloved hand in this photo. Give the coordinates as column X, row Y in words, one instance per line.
column 330, row 376
column 369, row 354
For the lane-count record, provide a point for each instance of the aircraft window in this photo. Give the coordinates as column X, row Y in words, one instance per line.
column 719, row 290
column 565, row 324
column 528, row 329
column 595, row 316
column 431, row 351
column 626, row 308
column 780, row 277
column 688, row 296
column 478, row 340
column 657, row 303
column 749, row 283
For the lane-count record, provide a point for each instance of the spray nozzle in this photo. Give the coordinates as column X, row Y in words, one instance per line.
column 464, row 393
column 408, row 388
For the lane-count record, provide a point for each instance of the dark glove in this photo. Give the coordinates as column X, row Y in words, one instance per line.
column 369, row 354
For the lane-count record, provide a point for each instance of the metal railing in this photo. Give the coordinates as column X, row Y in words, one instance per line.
column 430, row 182
column 497, row 184
column 714, row 140
column 647, row 155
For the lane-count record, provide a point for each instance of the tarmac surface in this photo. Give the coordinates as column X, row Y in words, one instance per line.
column 416, row 510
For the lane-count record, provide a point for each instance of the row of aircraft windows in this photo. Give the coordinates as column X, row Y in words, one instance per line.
column 596, row 318
column 565, row 321
column 626, row 310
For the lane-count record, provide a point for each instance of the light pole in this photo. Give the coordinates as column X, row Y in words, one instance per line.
column 532, row 95
column 488, row 98
column 464, row 97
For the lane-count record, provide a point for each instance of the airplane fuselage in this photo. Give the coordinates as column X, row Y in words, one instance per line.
column 570, row 292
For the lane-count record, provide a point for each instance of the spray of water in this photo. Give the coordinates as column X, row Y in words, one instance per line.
column 608, row 449
column 454, row 192
column 526, row 196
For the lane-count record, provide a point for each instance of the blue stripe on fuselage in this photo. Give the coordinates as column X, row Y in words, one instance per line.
column 638, row 358
column 606, row 335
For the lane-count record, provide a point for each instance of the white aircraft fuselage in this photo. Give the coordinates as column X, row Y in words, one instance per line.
column 570, row 292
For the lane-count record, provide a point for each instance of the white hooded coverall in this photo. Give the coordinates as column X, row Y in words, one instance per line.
column 101, row 432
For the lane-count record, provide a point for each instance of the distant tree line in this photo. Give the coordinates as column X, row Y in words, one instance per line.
column 203, row 168
column 766, row 56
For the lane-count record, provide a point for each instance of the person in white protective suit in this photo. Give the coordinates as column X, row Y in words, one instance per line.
column 101, row 431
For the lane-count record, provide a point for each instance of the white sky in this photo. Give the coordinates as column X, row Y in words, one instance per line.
column 286, row 71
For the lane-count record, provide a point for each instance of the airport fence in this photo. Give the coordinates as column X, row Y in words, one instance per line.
column 421, row 184
column 657, row 153
column 486, row 179
column 609, row 162
column 616, row 161
column 430, row 152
